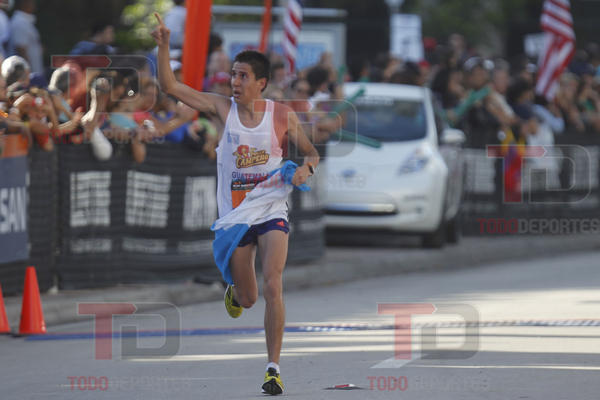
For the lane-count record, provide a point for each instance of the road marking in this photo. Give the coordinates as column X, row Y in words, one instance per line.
column 318, row 329
column 554, row 367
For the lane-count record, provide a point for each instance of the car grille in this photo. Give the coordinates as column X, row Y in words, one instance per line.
column 378, row 209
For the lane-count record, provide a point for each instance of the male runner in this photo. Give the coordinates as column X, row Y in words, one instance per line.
column 249, row 148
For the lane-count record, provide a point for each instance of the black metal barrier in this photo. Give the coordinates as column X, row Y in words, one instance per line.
column 41, row 225
column 560, row 189
column 96, row 224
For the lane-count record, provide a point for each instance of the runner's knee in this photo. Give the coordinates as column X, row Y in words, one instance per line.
column 272, row 288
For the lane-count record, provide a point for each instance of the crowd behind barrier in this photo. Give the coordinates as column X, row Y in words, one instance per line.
column 98, row 223
column 119, row 124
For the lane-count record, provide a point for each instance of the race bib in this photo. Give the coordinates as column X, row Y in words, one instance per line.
column 239, row 190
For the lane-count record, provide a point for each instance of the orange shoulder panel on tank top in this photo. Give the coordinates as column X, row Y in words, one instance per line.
column 280, row 121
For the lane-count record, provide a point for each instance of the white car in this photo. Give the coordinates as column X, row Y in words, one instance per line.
column 408, row 179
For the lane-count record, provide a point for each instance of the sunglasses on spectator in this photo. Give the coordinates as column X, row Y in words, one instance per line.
column 473, row 62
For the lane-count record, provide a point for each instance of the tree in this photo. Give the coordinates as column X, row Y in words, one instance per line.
column 62, row 23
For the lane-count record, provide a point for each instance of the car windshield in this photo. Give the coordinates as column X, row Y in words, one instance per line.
column 387, row 119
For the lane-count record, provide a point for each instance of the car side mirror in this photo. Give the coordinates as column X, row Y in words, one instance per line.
column 453, row 136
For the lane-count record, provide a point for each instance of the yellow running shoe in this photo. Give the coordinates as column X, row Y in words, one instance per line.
column 273, row 384
column 233, row 308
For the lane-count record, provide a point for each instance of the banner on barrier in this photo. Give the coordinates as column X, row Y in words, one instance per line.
column 13, row 207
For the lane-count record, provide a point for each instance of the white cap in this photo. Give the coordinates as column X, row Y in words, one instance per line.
column 9, row 65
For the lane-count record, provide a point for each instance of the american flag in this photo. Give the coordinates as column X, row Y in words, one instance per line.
column 291, row 24
column 559, row 45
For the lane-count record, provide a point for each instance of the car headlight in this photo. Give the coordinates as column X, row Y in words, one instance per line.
column 416, row 162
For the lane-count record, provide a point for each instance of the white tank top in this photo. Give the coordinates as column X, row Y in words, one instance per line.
column 247, row 155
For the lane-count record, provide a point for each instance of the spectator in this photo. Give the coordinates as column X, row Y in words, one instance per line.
column 15, row 70
column 202, row 136
column 594, row 57
column 220, row 83
column 36, row 108
column 458, row 47
column 278, row 77
column 425, row 68
column 175, row 21
column 409, row 73
column 161, row 112
column 218, row 61
column 359, row 69
column 59, row 89
column 9, row 123
column 25, row 38
column 566, row 100
column 318, row 79
column 383, row 67
column 103, row 35
column 498, row 102
column 588, row 102
column 97, row 125
column 549, row 113
column 479, row 120
column 215, row 43
column 299, row 92
column 319, row 127
column 520, row 96
column 448, row 88
column 177, row 68
column 4, row 29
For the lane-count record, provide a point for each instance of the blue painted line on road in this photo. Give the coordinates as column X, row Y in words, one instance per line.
column 311, row 329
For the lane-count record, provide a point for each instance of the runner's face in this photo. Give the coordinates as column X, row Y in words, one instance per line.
column 246, row 87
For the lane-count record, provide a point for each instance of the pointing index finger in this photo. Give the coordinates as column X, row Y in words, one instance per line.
column 159, row 19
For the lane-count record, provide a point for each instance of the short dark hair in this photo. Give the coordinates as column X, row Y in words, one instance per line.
column 317, row 76
column 516, row 90
column 259, row 63
column 214, row 42
column 99, row 27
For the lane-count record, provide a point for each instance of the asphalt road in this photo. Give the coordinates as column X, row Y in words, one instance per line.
column 519, row 330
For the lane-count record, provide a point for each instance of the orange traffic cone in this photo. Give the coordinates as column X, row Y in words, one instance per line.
column 4, row 327
column 32, row 316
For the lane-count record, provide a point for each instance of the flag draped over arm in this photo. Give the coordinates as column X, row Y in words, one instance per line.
column 195, row 46
column 559, row 45
column 292, row 22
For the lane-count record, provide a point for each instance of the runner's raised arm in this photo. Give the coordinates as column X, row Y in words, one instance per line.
column 205, row 102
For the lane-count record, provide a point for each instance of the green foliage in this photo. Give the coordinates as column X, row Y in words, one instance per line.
column 478, row 21
column 468, row 17
column 62, row 23
column 138, row 22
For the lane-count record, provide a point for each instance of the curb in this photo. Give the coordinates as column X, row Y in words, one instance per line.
column 340, row 264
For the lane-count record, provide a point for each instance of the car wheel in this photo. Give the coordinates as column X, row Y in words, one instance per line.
column 453, row 230
column 437, row 238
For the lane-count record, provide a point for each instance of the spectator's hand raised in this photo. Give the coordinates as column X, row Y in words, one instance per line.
column 161, row 34
column 78, row 115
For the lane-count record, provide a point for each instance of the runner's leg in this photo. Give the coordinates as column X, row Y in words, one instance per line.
column 244, row 276
column 273, row 247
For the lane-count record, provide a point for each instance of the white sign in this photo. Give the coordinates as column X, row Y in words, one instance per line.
column 200, row 205
column 147, row 199
column 314, row 40
column 90, row 198
column 405, row 37
column 534, row 44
